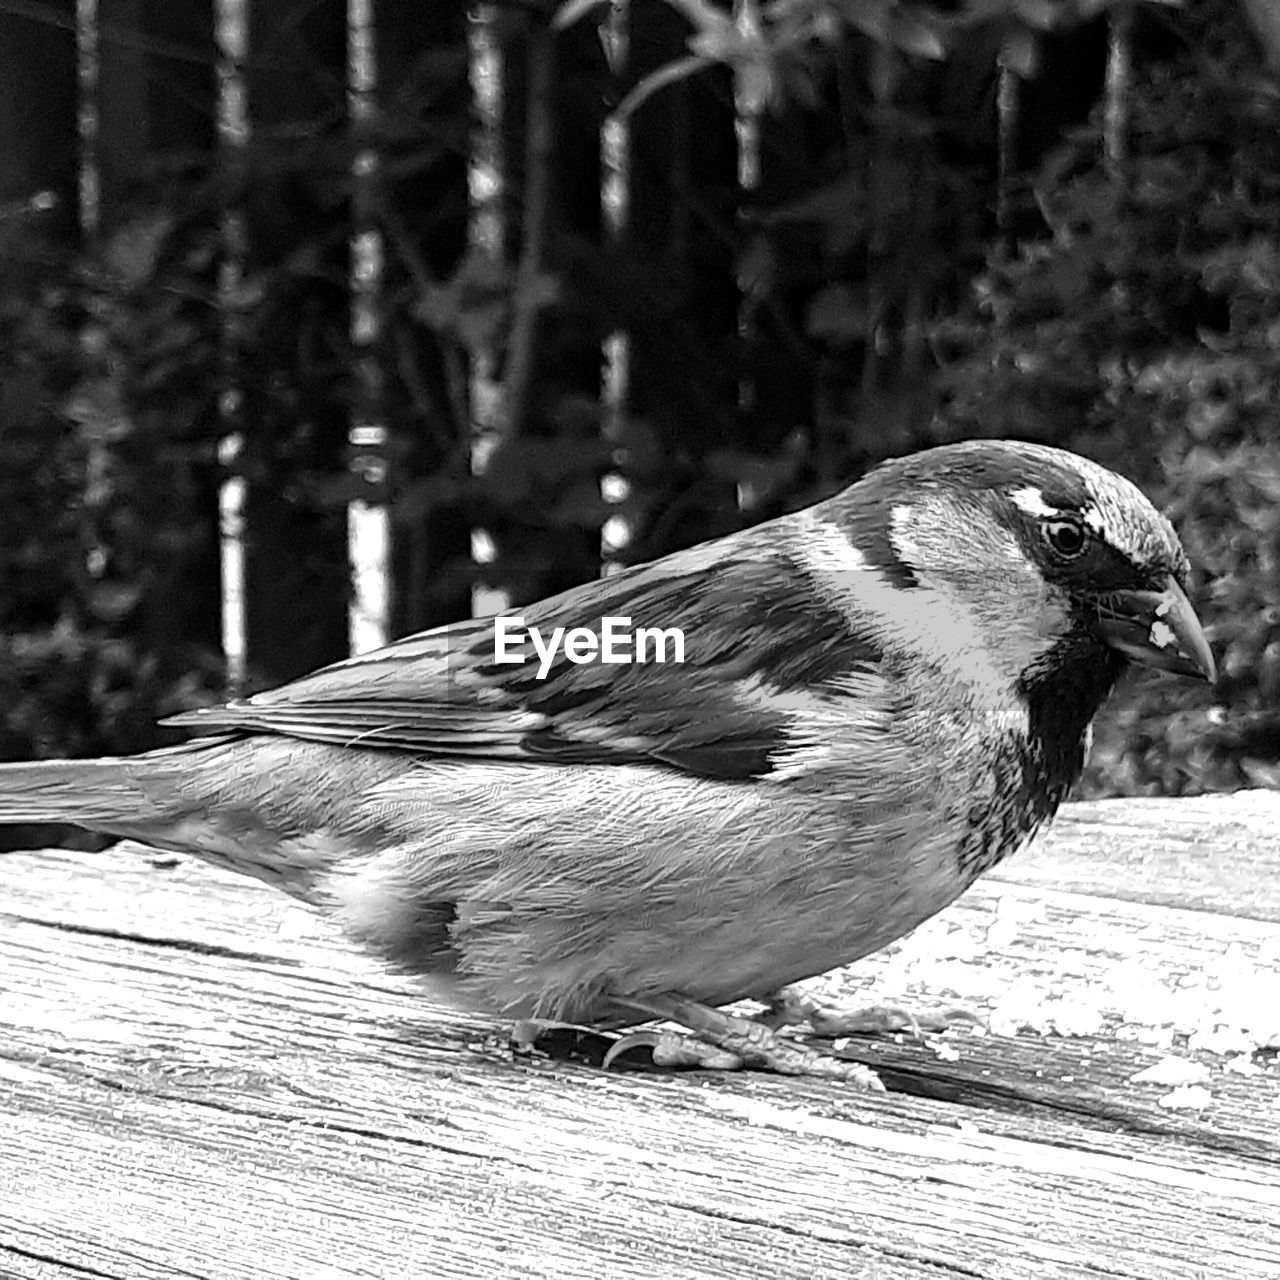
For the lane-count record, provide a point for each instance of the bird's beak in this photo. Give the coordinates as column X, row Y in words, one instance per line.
column 1158, row 629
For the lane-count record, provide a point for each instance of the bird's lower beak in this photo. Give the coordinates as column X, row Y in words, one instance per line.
column 1158, row 629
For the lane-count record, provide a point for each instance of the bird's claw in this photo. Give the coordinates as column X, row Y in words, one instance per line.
column 887, row 1019
column 728, row 1041
column 671, row 1049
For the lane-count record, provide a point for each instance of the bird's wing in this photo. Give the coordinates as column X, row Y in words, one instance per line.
column 768, row 668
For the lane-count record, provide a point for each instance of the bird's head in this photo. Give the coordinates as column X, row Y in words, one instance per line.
column 1064, row 568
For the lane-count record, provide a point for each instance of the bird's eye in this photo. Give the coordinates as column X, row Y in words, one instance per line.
column 1066, row 537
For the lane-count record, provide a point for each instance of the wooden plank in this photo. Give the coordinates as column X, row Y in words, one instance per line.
column 1212, row 853
column 198, row 1078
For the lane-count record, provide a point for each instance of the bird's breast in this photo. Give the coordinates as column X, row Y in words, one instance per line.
column 1015, row 791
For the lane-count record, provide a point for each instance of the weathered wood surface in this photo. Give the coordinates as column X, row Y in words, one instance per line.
column 198, row 1079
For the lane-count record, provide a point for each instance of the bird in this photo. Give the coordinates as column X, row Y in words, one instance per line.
column 700, row 779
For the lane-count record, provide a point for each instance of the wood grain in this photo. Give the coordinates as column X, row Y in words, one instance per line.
column 198, row 1078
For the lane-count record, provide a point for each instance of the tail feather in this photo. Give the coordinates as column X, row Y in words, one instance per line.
column 90, row 793
column 224, row 799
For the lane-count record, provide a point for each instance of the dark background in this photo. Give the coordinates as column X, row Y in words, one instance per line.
column 1082, row 251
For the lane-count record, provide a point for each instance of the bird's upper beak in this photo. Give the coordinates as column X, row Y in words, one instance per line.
column 1157, row 628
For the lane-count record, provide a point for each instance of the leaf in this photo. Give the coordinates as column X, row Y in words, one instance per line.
column 1020, row 53
column 1042, row 15
column 701, row 14
column 915, row 36
column 111, row 601
column 571, row 11
column 133, row 251
column 1261, row 773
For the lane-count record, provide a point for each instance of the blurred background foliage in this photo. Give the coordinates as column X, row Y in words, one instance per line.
column 1080, row 248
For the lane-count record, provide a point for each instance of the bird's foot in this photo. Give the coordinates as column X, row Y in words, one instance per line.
column 673, row 1049
column 789, row 1008
column 885, row 1019
column 725, row 1041
column 637, row 1050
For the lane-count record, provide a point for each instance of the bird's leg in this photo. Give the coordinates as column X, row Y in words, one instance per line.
column 525, row 1033
column 741, row 1042
column 791, row 1008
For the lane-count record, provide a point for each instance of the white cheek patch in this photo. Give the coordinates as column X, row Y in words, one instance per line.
column 939, row 536
column 952, row 619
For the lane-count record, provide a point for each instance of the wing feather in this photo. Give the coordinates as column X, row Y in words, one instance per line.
column 759, row 644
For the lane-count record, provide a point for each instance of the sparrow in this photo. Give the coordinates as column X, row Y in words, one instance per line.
column 700, row 779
